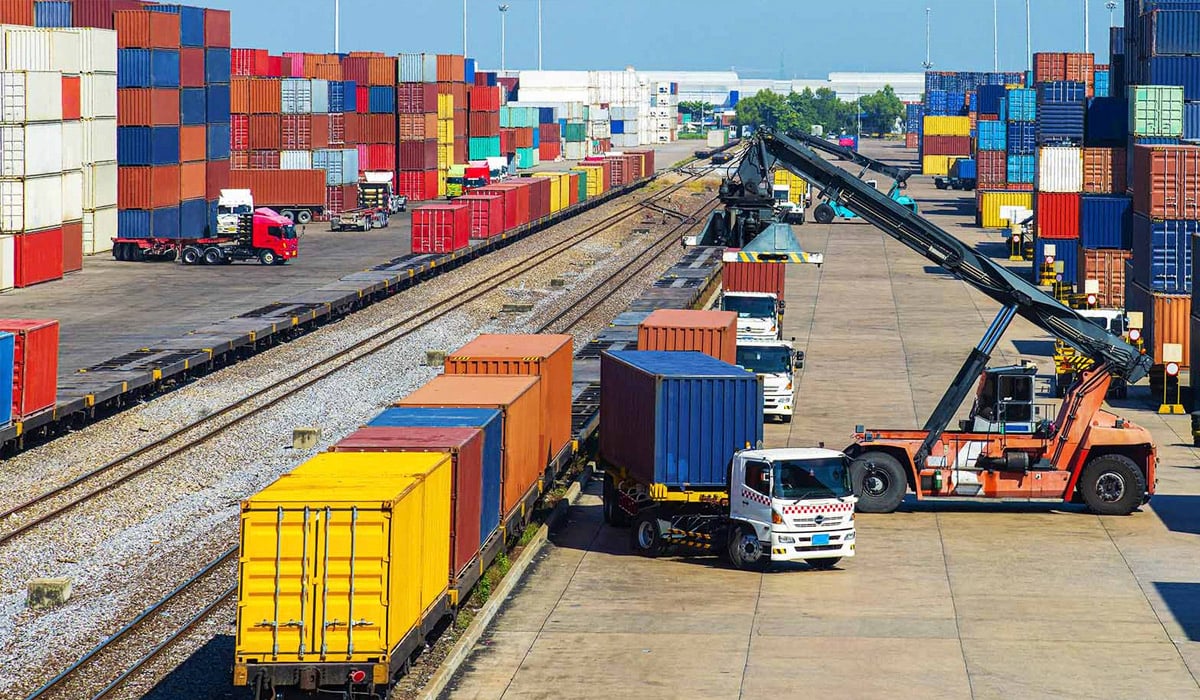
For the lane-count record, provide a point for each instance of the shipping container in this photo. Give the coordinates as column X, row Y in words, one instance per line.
column 1022, row 138
column 1105, row 221
column 676, row 418
column 281, row 187
column 1057, row 215
column 753, row 277
column 989, row 204
column 519, row 399
column 1107, row 121
column 1167, row 31
column 487, row 214
column 1062, row 253
column 35, row 365
column 1182, row 71
column 440, row 228
column 946, row 146
column 1104, row 170
column 1059, row 169
column 993, row 136
column 7, row 354
column 38, row 257
column 1165, row 317
column 1168, row 179
column 1155, row 110
column 27, row 97
column 383, row 540
column 1022, row 169
column 1162, row 254
column 30, row 150
column 547, row 356
column 515, row 203
column 31, row 204
column 713, row 333
column 1020, row 105
column 1061, row 123
column 1107, row 267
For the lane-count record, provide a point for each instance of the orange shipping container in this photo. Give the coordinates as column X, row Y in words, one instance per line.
column 192, row 142
column 134, row 107
column 1107, row 267
column 164, row 107
column 72, row 233
column 519, row 398
column 550, row 357
column 133, row 187
column 239, row 96
column 164, row 30
column 320, row 131
column 276, row 187
column 713, row 333
column 265, row 95
column 449, row 68
column 70, row 97
column 265, row 131
column 1168, row 181
column 16, row 12
column 1104, row 170
column 164, row 186
column 417, row 127
column 753, row 277
column 192, row 180
column 1165, row 318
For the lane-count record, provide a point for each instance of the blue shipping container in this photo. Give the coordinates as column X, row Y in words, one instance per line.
column 1020, row 105
column 1191, row 121
column 211, row 215
column 349, row 97
column 1060, row 123
column 936, row 103
column 964, row 168
column 50, row 14
column 956, row 103
column 490, row 421
column 617, row 126
column 545, row 115
column 1169, row 32
column 216, row 66
column 676, row 418
column 1061, row 91
column 193, row 108
column 191, row 22
column 337, row 96
column 1105, row 221
column 164, row 68
column 469, row 71
column 7, row 369
column 133, row 145
column 193, row 218
column 1173, row 70
column 1022, row 138
column 381, row 100
column 218, row 142
column 1162, row 254
column 217, row 104
column 1066, row 251
column 1101, row 88
column 164, row 222
column 133, row 223
column 993, row 136
column 989, row 97
column 1022, row 169
column 133, row 68
column 1107, row 121
column 164, row 145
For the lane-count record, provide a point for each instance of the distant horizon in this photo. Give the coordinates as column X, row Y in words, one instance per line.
column 671, row 35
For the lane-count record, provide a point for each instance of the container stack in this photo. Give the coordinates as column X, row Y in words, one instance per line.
column 98, row 126
column 951, row 94
column 419, row 105
column 518, row 128
column 1058, row 164
column 483, row 132
column 946, row 139
column 914, row 114
column 664, row 110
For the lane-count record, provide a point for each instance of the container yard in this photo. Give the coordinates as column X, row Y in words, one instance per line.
column 396, row 368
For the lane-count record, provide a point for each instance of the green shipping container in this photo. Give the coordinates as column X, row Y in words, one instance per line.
column 479, row 148
column 575, row 131
column 582, row 184
column 527, row 157
column 1156, row 110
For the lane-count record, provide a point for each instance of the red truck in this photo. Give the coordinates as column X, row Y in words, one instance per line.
column 261, row 235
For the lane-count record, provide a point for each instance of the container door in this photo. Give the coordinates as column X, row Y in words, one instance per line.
column 278, row 549
column 349, row 594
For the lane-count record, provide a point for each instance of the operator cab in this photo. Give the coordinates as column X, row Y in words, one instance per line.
column 1004, row 402
column 1112, row 320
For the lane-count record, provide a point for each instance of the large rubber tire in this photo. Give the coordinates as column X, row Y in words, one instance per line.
column 746, row 552
column 613, row 515
column 879, row 482
column 304, row 216
column 1112, row 485
column 213, row 256
column 169, row 256
column 288, row 214
column 191, row 255
column 823, row 564
column 267, row 257
column 824, row 214
column 645, row 538
column 118, row 252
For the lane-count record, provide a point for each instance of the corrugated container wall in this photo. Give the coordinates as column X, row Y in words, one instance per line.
column 713, row 333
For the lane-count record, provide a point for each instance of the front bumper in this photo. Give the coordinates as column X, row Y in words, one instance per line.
column 797, row 546
column 779, row 405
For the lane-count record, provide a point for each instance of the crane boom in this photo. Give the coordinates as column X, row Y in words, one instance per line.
column 897, row 173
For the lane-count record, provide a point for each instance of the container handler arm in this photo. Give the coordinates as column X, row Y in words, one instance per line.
column 898, row 174
column 1015, row 295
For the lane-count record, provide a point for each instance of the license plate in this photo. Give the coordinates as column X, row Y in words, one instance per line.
column 820, row 540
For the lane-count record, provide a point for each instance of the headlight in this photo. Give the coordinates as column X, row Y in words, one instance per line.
column 848, row 538
column 787, row 539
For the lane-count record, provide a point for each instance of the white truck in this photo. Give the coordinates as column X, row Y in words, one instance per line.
column 776, row 362
column 781, row 505
column 760, row 314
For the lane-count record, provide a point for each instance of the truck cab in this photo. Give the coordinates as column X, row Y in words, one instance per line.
column 760, row 314
column 776, row 362
column 232, row 206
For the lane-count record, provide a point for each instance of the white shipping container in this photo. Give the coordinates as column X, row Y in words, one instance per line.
column 72, row 195
column 66, row 51
column 97, row 50
column 1060, row 169
column 99, row 140
column 30, row 96
column 295, row 160
column 31, row 150
column 717, row 138
column 575, row 150
column 99, row 185
column 8, row 263
column 98, row 96
column 72, row 146
column 99, row 228
column 26, row 48
column 31, row 204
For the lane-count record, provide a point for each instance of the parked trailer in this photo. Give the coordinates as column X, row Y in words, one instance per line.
column 264, row 236
column 297, row 195
column 358, row 220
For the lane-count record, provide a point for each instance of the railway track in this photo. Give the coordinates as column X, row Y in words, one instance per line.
column 197, row 598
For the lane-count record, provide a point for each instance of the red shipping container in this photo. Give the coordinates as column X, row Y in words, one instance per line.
column 377, row 128
column 486, row 214
column 465, row 446
column 339, row 198
column 274, row 67
column 164, row 107
column 362, row 99
column 38, row 257
column 248, row 62
column 573, row 195
column 353, row 134
column 216, row 178
column 72, row 246
column 276, row 187
column 191, row 67
column 539, row 195
column 296, row 132
column 1104, row 170
column 647, row 155
column 484, row 99
column 192, row 143
column 35, row 364
column 93, row 13
column 320, row 131
column 1057, row 214
column 1049, row 66
column 912, row 140
column 16, row 12
column 483, row 124
column 70, row 97
column 506, row 141
column 549, row 150
column 460, row 124
column 376, row 156
column 947, row 146
column 216, row 28
column 416, row 98
column 992, row 168
column 239, row 160
column 1168, row 181
column 133, row 187
column 460, row 150
column 440, row 228
column 134, row 107
column 523, row 137
column 510, row 203
column 417, row 127
column 1107, row 267
column 549, row 132
column 262, row 160
column 239, row 132
column 417, row 185
column 355, row 68
column 754, row 277
column 418, row 155
column 337, row 129
column 164, row 30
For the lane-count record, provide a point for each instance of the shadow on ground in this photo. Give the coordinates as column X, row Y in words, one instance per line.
column 205, row 675
column 1184, row 601
column 1178, row 513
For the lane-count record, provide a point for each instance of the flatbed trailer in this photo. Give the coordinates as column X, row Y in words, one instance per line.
column 358, row 220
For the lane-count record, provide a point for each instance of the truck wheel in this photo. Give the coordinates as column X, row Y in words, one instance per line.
column 118, row 252
column 879, row 482
column 824, row 214
column 190, row 256
column 823, row 564
column 266, row 257
column 304, row 216
column 169, row 256
column 645, row 538
column 613, row 515
column 288, row 214
column 1112, row 485
column 746, row 551
column 213, row 256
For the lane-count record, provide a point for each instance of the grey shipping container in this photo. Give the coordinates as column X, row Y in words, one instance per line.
column 677, row 418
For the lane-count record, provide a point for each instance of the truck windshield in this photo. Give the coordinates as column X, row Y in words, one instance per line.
column 765, row 360
column 812, row 478
column 285, row 232
column 750, row 307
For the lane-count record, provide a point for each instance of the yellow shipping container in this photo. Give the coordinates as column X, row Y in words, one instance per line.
column 947, row 126
column 560, row 192
column 595, row 179
column 328, row 545
column 797, row 186
column 988, row 215
column 445, row 132
column 442, row 176
column 445, row 153
column 445, row 106
column 937, row 165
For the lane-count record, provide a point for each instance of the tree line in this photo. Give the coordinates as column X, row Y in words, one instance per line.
column 802, row 110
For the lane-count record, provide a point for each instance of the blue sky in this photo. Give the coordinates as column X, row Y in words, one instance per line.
column 809, row 38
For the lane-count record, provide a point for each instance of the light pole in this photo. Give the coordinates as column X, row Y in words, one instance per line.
column 503, row 15
column 1086, row 34
column 1110, row 6
column 464, row 28
column 1028, row 38
column 539, row 34
column 928, row 14
column 996, row 36
column 337, row 26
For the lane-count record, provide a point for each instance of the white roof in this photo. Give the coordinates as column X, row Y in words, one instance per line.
column 750, row 294
column 793, row 453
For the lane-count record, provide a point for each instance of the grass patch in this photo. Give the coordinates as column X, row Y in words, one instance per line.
column 528, row 535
